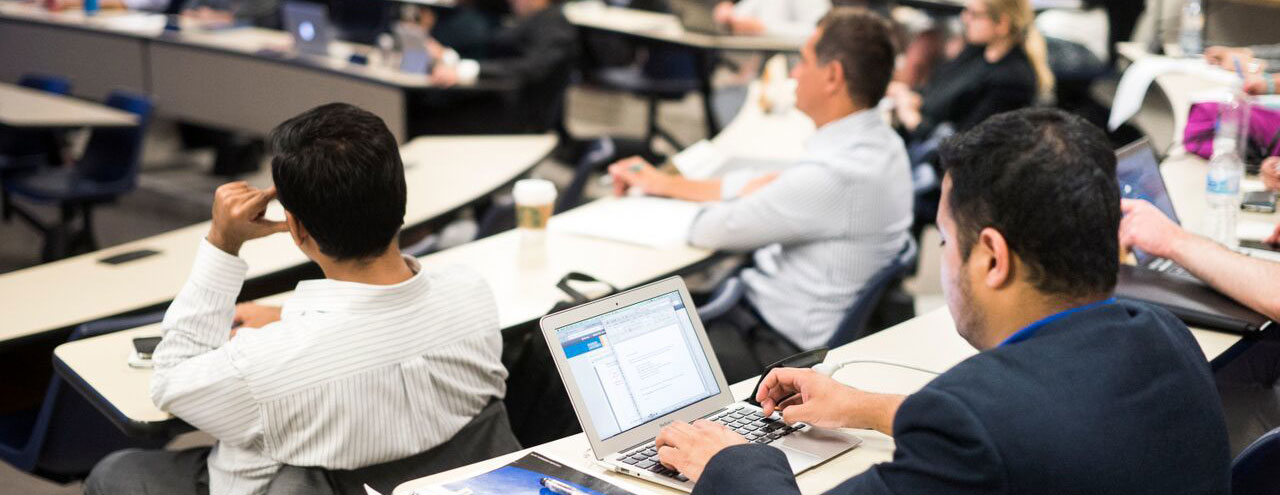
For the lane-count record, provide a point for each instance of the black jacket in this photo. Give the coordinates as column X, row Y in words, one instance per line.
column 968, row 89
column 1116, row 399
column 537, row 52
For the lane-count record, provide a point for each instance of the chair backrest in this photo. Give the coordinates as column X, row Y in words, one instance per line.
column 114, row 155
column 488, row 435
column 854, row 324
column 667, row 63
column 1254, row 470
column 70, row 436
column 48, row 83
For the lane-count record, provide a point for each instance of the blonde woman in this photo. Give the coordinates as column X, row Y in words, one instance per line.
column 1002, row 67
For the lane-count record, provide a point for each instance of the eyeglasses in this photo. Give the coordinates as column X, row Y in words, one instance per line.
column 974, row 14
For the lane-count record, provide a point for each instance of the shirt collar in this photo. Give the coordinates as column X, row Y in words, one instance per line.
column 839, row 132
column 333, row 296
column 1031, row 330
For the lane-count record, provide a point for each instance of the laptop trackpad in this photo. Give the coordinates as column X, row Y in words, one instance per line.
column 814, row 446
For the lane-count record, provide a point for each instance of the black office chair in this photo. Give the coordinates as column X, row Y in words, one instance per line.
column 67, row 436
column 108, row 169
column 1254, row 471
column 488, row 435
column 24, row 150
column 856, row 321
column 666, row 74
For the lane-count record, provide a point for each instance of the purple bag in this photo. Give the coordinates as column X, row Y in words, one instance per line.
column 1264, row 132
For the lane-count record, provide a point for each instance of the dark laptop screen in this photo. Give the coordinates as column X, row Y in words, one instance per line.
column 1138, row 172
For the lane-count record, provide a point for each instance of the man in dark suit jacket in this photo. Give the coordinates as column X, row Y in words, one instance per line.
column 1073, row 392
column 537, row 52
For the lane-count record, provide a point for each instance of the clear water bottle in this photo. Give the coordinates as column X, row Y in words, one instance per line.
column 1191, row 30
column 1222, row 192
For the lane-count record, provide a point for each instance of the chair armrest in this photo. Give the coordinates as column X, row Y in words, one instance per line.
column 725, row 297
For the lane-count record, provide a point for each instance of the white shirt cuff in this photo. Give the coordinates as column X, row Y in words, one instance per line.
column 468, row 71
column 450, row 57
column 732, row 183
column 216, row 270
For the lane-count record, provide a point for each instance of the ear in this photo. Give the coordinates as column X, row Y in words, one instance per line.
column 996, row 261
column 296, row 230
column 834, row 77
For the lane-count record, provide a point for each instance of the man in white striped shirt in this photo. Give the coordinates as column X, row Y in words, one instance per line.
column 819, row 229
column 379, row 361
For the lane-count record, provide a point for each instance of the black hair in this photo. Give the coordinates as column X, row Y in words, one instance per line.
column 1046, row 180
column 337, row 169
column 863, row 44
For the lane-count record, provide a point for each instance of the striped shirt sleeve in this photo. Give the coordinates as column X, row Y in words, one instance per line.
column 194, row 376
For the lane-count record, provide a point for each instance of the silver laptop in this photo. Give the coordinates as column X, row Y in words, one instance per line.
column 309, row 24
column 640, row 360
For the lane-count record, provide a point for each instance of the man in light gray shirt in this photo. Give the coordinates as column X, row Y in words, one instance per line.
column 822, row 227
column 381, row 360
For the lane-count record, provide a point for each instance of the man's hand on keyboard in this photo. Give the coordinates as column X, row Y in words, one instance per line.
column 688, row 448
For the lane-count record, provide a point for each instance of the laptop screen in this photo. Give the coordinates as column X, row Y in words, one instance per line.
column 637, row 363
column 1138, row 172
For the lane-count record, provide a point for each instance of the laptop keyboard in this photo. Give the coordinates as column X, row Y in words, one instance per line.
column 1167, row 266
column 748, row 423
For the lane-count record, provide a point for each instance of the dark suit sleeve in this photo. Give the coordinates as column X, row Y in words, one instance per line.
column 744, row 469
column 551, row 47
column 941, row 447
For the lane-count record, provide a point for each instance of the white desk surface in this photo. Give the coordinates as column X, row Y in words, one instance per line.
column 26, row 107
column 928, row 341
column 442, row 174
column 267, row 44
column 667, row 28
column 124, row 23
column 249, row 41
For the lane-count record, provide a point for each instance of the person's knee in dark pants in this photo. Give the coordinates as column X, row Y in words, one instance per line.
column 142, row 472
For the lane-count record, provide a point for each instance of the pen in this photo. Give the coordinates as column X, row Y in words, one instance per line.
column 1239, row 69
column 560, row 487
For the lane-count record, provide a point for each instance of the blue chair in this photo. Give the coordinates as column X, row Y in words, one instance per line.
column 67, row 436
column 855, row 323
column 108, row 169
column 23, row 150
column 1254, row 472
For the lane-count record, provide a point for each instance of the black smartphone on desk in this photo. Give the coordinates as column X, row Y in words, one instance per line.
column 1259, row 245
column 1259, row 202
column 143, row 348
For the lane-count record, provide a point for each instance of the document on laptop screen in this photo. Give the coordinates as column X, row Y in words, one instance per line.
column 637, row 363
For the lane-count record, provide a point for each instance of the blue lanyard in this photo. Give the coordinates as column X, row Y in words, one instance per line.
column 1031, row 330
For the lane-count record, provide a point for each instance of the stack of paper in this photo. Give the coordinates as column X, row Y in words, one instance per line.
column 653, row 222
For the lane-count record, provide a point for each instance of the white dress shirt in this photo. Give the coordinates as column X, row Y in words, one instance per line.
column 821, row 229
column 789, row 18
column 352, row 374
